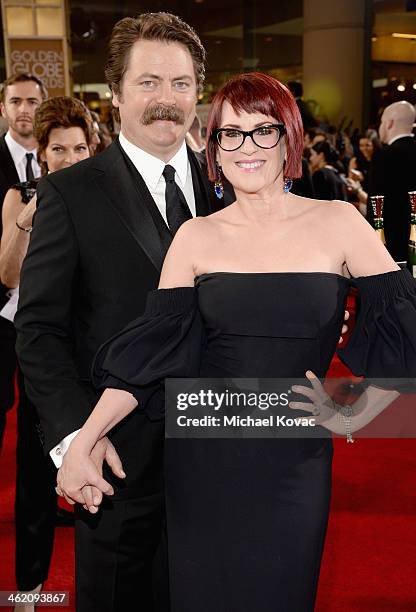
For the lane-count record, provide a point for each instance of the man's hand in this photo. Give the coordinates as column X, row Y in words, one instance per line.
column 81, row 473
column 344, row 327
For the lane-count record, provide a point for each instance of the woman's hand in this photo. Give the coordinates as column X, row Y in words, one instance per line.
column 344, row 326
column 102, row 451
column 322, row 406
column 80, row 477
column 25, row 218
column 356, row 175
column 342, row 420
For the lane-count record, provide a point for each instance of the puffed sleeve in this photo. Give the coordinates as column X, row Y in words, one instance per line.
column 383, row 342
column 166, row 341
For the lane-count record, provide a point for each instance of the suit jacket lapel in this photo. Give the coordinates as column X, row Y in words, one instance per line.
column 127, row 193
column 127, row 197
column 146, row 197
column 8, row 167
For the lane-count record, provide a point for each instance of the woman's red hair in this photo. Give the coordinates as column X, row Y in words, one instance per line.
column 254, row 92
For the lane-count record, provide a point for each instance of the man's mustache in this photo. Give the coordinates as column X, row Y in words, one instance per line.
column 163, row 113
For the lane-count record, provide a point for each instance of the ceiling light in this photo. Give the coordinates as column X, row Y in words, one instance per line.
column 400, row 35
column 401, row 87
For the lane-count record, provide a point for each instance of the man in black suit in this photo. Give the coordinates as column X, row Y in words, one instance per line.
column 393, row 174
column 100, row 235
column 308, row 120
column 20, row 96
column 35, row 499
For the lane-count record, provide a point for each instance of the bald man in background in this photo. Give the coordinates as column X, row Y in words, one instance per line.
column 393, row 174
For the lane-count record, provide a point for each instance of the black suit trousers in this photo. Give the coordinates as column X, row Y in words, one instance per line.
column 8, row 367
column 126, row 540
column 36, row 501
column 8, row 176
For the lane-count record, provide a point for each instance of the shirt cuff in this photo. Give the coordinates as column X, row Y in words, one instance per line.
column 58, row 452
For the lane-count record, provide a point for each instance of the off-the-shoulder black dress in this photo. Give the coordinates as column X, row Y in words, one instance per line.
column 247, row 518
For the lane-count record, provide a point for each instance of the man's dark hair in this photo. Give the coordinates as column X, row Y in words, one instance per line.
column 163, row 27
column 329, row 152
column 23, row 77
column 295, row 88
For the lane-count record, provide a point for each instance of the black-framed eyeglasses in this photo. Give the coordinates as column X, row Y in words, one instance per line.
column 265, row 137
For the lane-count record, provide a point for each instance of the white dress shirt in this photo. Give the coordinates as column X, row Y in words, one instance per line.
column 18, row 154
column 151, row 169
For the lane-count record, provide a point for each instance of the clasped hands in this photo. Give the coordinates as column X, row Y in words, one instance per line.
column 80, row 478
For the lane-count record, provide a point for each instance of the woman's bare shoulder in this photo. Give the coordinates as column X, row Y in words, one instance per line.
column 12, row 204
column 13, row 197
column 336, row 211
column 312, row 207
column 191, row 230
column 345, row 217
column 339, row 219
column 202, row 226
column 365, row 254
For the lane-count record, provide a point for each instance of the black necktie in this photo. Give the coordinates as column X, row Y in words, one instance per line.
column 177, row 210
column 29, row 170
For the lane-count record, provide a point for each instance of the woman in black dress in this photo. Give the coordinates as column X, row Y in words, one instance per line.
column 255, row 290
column 359, row 168
column 326, row 179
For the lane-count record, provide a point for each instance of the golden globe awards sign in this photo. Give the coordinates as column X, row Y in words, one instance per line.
column 41, row 57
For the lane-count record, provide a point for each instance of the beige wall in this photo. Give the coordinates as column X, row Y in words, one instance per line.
column 333, row 56
column 36, row 38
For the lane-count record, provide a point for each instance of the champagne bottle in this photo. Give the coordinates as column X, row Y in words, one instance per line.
column 377, row 204
column 411, row 251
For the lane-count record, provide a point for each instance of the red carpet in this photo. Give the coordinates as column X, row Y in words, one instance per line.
column 62, row 567
column 370, row 555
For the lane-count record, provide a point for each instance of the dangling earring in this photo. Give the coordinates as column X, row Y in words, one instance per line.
column 218, row 187
column 287, row 184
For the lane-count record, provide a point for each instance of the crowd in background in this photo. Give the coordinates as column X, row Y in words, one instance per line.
column 338, row 158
